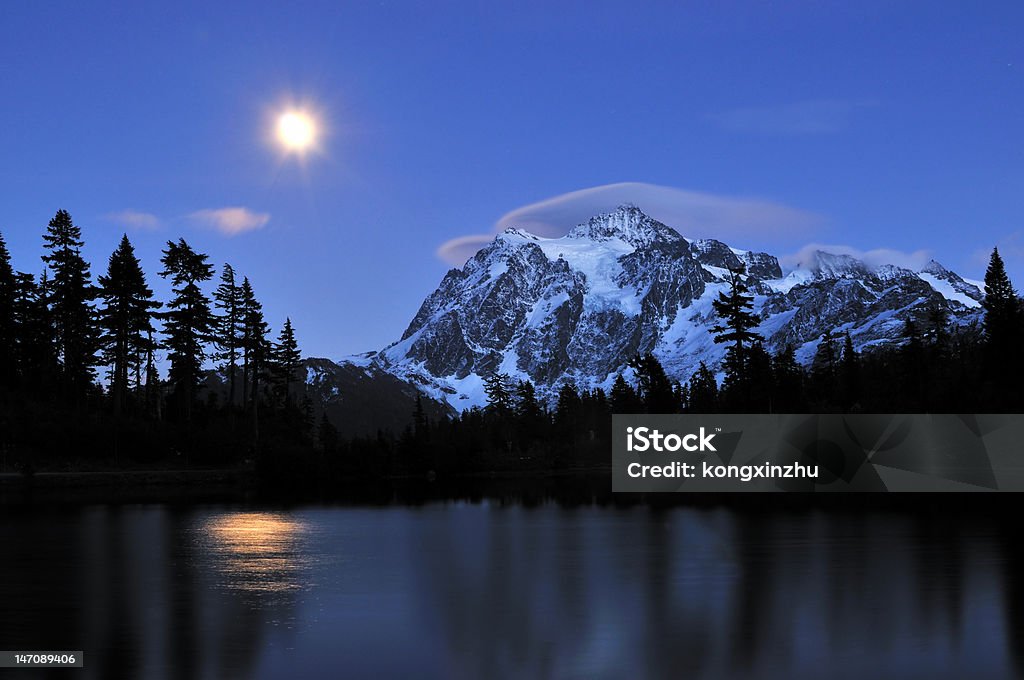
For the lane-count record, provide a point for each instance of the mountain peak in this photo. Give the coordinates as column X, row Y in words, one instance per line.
column 934, row 267
column 836, row 265
column 627, row 223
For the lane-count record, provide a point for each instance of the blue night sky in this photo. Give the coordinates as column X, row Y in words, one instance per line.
column 872, row 125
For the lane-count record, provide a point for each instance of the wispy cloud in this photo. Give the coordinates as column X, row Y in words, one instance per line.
column 230, row 221
column 914, row 261
column 460, row 249
column 809, row 117
column 694, row 214
column 135, row 219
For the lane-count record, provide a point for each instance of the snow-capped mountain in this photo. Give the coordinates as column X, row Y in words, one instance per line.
column 579, row 307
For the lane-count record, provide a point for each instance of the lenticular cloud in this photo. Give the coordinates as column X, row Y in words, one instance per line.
column 694, row 214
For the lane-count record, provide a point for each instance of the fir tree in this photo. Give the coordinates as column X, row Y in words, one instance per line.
column 655, row 389
column 530, row 417
column 36, row 350
column 256, row 353
column 420, row 423
column 327, row 435
column 1002, row 306
column 703, row 391
column 498, row 387
column 8, row 324
column 788, row 380
column 824, row 381
column 255, row 348
column 70, row 294
column 849, row 374
column 567, row 411
column 1004, row 333
column 229, row 328
column 189, row 320
column 126, row 319
column 624, row 398
column 287, row 360
column 735, row 311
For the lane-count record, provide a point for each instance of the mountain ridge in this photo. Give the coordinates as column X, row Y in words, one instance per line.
column 578, row 307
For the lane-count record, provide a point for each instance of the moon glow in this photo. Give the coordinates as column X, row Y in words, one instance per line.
column 296, row 130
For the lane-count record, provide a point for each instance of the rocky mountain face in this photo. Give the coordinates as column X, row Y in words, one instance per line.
column 579, row 307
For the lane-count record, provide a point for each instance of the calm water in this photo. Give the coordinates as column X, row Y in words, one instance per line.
column 457, row 590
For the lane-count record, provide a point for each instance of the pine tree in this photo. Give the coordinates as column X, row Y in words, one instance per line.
column 703, row 391
column 36, row 348
column 624, row 398
column 1004, row 333
column 498, row 387
column 527, row 406
column 824, row 370
column 735, row 311
column 254, row 345
column 70, row 294
column 126, row 319
column 229, row 328
column 529, row 415
column 188, row 322
column 420, row 423
column 327, row 435
column 256, row 354
column 8, row 324
column 911, row 369
column 655, row 389
column 788, row 380
column 287, row 360
column 1002, row 306
column 849, row 374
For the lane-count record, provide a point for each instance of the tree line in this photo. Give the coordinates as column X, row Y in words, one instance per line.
column 79, row 369
column 938, row 366
column 81, row 385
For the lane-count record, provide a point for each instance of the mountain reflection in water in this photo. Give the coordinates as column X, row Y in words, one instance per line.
column 480, row 590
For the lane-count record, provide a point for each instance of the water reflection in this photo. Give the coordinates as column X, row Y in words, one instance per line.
column 472, row 590
column 256, row 552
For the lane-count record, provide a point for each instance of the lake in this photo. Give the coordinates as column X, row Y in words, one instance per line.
column 488, row 589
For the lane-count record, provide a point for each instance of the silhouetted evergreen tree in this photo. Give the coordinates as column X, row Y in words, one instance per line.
column 188, row 322
column 255, row 348
column 912, row 369
column 420, row 423
column 938, row 325
column 655, row 389
column 327, row 435
column 530, row 417
column 8, row 323
column 70, row 294
column 498, row 387
column 703, row 391
column 36, row 347
column 567, row 412
column 758, row 396
column 1004, row 332
column 229, row 328
column 849, row 374
column 126, row 319
column 287, row 360
column 624, row 398
column 824, row 370
column 735, row 309
column 256, row 355
column 788, row 378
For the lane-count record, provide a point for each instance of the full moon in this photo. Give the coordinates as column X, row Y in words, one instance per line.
column 296, row 130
